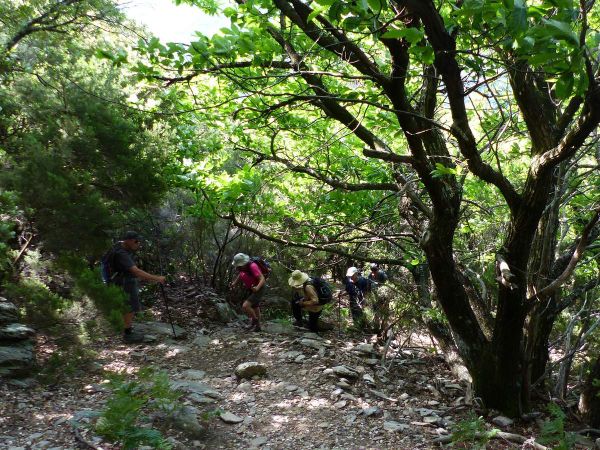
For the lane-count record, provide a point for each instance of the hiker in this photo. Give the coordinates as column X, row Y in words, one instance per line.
column 250, row 274
column 305, row 298
column 377, row 275
column 356, row 288
column 126, row 276
column 381, row 299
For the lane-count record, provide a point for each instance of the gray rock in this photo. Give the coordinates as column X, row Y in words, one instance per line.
column 225, row 312
column 258, row 442
column 194, row 387
column 312, row 343
column 598, row 444
column 17, row 359
column 250, row 369
column 276, row 302
column 200, row 399
column 192, row 374
column 186, row 419
column 159, row 329
column 393, row 426
column 368, row 378
column 291, row 354
column 502, row 421
column 365, row 348
column 8, row 312
column 346, row 372
column 382, row 395
column 279, row 328
column 228, row 417
column 15, row 332
column 85, row 416
column 201, row 341
column 23, row 383
column 374, row 411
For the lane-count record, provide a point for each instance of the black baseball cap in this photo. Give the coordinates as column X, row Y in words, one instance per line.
column 132, row 235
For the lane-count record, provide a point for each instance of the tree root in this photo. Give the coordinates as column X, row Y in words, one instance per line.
column 511, row 437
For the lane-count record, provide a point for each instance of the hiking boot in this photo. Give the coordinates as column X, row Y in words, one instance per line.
column 133, row 338
column 257, row 328
column 299, row 324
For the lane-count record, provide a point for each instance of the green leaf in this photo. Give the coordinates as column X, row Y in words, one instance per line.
column 412, row 35
column 518, row 18
column 562, row 30
column 564, row 86
column 352, row 22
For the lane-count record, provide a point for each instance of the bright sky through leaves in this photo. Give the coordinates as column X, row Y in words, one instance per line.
column 171, row 23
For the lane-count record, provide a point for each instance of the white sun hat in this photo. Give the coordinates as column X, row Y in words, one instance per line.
column 351, row 271
column 241, row 259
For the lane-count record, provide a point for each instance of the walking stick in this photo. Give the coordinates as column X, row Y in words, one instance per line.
column 162, row 288
column 339, row 314
column 164, row 296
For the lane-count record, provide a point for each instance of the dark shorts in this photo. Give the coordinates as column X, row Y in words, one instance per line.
column 255, row 297
column 131, row 288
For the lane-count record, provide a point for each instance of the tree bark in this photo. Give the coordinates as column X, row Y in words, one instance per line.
column 589, row 402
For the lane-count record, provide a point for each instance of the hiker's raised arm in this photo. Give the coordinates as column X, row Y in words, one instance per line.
column 143, row 275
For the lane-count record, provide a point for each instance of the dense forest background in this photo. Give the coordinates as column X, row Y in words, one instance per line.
column 453, row 142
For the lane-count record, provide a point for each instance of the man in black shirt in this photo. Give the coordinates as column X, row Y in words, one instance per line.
column 127, row 274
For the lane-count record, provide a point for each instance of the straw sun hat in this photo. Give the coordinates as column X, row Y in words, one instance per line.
column 297, row 279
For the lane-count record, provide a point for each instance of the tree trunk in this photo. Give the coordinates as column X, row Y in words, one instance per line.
column 439, row 330
column 589, row 402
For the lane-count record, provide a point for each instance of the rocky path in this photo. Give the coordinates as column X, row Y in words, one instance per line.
column 313, row 391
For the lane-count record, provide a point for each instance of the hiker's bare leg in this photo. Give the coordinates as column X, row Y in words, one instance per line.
column 247, row 307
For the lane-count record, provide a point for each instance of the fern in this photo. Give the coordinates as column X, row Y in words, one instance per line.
column 130, row 402
column 553, row 430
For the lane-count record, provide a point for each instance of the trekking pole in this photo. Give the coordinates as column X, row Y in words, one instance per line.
column 339, row 314
column 162, row 288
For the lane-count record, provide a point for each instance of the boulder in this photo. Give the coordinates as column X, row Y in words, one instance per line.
column 276, row 302
column 15, row 332
column 502, row 421
column 225, row 312
column 250, row 369
column 16, row 360
column 8, row 312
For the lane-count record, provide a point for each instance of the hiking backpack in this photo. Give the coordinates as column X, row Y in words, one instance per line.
column 263, row 265
column 323, row 289
column 107, row 266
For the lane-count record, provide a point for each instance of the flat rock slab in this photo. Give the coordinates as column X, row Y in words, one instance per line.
column 279, row 328
column 250, row 369
column 393, row 426
column 160, row 329
column 345, row 371
column 16, row 360
column 192, row 374
column 365, row 348
column 8, row 312
column 228, row 417
column 193, row 387
column 15, row 332
column 312, row 343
